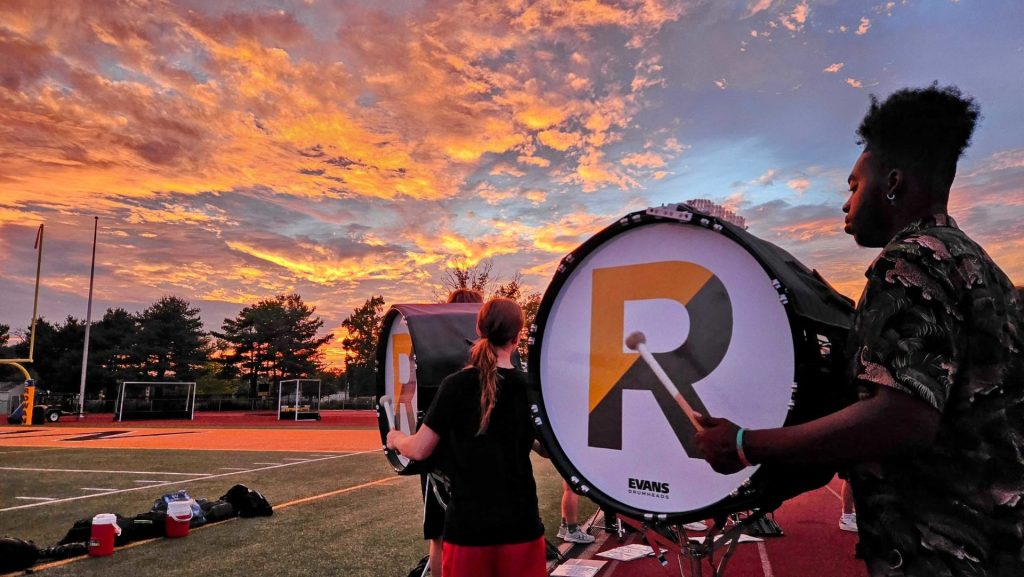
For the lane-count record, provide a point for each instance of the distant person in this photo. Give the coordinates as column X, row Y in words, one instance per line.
column 433, row 509
column 935, row 353
column 481, row 418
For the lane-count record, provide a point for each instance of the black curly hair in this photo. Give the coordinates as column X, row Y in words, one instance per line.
column 921, row 130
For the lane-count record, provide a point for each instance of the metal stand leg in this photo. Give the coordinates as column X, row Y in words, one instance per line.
column 722, row 538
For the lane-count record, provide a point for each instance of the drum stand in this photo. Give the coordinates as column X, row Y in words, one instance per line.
column 664, row 538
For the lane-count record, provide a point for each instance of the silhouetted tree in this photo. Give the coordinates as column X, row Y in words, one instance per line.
column 363, row 327
column 274, row 338
column 171, row 341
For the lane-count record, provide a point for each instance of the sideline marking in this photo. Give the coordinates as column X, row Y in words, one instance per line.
column 163, row 484
column 63, row 562
column 33, row 469
column 338, row 492
column 766, row 565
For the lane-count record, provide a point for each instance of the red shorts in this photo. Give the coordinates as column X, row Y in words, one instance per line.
column 518, row 560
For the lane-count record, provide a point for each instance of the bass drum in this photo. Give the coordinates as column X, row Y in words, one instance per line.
column 418, row 346
column 742, row 329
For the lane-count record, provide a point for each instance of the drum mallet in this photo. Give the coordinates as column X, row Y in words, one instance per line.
column 637, row 341
column 389, row 411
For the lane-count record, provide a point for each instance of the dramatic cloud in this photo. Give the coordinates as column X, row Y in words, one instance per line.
column 344, row 150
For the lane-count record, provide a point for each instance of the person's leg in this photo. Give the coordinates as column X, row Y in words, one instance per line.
column 570, row 508
column 436, row 555
column 520, row 560
column 570, row 529
column 848, row 518
column 433, row 527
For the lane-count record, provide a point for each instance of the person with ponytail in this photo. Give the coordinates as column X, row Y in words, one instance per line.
column 480, row 419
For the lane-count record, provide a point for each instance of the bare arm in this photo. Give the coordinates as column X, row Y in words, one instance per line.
column 889, row 423
column 418, row 446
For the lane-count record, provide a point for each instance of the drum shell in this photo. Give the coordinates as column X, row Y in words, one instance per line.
column 815, row 313
column 440, row 337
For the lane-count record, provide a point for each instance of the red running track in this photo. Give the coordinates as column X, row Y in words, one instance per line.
column 335, row 419
column 812, row 546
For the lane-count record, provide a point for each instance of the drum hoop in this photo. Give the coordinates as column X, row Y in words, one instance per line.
column 579, row 483
column 394, row 459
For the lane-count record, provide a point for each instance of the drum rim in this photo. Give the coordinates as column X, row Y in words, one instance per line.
column 568, row 264
column 380, row 358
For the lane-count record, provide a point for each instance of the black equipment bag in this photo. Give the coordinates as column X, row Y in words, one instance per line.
column 17, row 554
column 248, row 502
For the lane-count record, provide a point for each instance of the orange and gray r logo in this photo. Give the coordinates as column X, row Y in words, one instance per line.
column 613, row 370
column 401, row 358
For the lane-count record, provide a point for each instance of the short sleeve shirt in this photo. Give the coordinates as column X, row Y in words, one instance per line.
column 938, row 320
column 493, row 493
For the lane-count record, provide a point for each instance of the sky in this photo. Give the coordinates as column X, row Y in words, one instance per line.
column 234, row 151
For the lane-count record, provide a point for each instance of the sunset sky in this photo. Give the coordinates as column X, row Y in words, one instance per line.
column 238, row 150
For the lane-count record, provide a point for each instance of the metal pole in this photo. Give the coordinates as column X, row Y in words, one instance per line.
column 88, row 320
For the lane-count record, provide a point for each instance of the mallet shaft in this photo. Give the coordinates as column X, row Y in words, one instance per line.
column 669, row 385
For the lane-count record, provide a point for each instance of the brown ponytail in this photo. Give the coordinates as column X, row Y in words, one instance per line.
column 499, row 322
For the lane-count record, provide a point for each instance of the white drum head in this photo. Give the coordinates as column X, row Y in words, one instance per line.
column 400, row 378
column 712, row 320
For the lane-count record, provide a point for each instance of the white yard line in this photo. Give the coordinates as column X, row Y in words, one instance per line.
column 94, row 489
column 150, row 481
column 178, row 482
column 830, row 490
column 295, row 459
column 100, row 471
column 258, row 463
column 766, row 565
column 46, row 499
column 233, row 468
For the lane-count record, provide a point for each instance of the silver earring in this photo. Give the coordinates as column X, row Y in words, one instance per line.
column 892, row 197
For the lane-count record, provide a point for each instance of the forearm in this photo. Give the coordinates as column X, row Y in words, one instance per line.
column 888, row 424
column 418, row 446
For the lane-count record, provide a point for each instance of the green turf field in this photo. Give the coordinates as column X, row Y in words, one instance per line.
column 372, row 530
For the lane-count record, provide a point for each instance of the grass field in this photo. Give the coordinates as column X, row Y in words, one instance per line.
column 335, row 513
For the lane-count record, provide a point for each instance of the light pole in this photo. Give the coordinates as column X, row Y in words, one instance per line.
column 88, row 320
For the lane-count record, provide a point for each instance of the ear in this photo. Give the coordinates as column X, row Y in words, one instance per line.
column 894, row 180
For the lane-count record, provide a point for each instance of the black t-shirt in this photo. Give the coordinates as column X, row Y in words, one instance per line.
column 494, row 496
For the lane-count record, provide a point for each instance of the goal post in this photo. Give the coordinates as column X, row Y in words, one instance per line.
column 138, row 400
column 298, row 400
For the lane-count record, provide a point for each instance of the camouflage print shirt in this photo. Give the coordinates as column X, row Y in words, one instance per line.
column 940, row 321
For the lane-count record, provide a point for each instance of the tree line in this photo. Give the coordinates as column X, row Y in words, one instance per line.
column 273, row 339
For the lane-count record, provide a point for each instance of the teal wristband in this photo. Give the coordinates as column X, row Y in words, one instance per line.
column 739, row 448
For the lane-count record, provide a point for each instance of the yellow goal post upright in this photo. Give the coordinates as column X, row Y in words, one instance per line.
column 28, row 397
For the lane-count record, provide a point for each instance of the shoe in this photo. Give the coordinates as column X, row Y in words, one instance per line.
column 577, row 535
column 562, row 530
column 696, row 526
column 848, row 522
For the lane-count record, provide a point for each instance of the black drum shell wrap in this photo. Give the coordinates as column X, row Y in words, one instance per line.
column 441, row 336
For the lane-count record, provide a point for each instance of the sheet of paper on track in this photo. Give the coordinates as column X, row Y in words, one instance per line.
column 578, row 568
column 627, row 552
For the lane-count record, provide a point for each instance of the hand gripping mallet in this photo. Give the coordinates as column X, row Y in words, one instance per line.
column 637, row 341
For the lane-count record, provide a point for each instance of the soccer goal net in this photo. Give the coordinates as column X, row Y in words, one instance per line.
column 298, row 400
column 143, row 400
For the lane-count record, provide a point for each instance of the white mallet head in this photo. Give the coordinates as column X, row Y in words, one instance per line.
column 635, row 339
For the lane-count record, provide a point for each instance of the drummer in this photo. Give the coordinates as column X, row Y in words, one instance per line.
column 481, row 417
column 937, row 356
